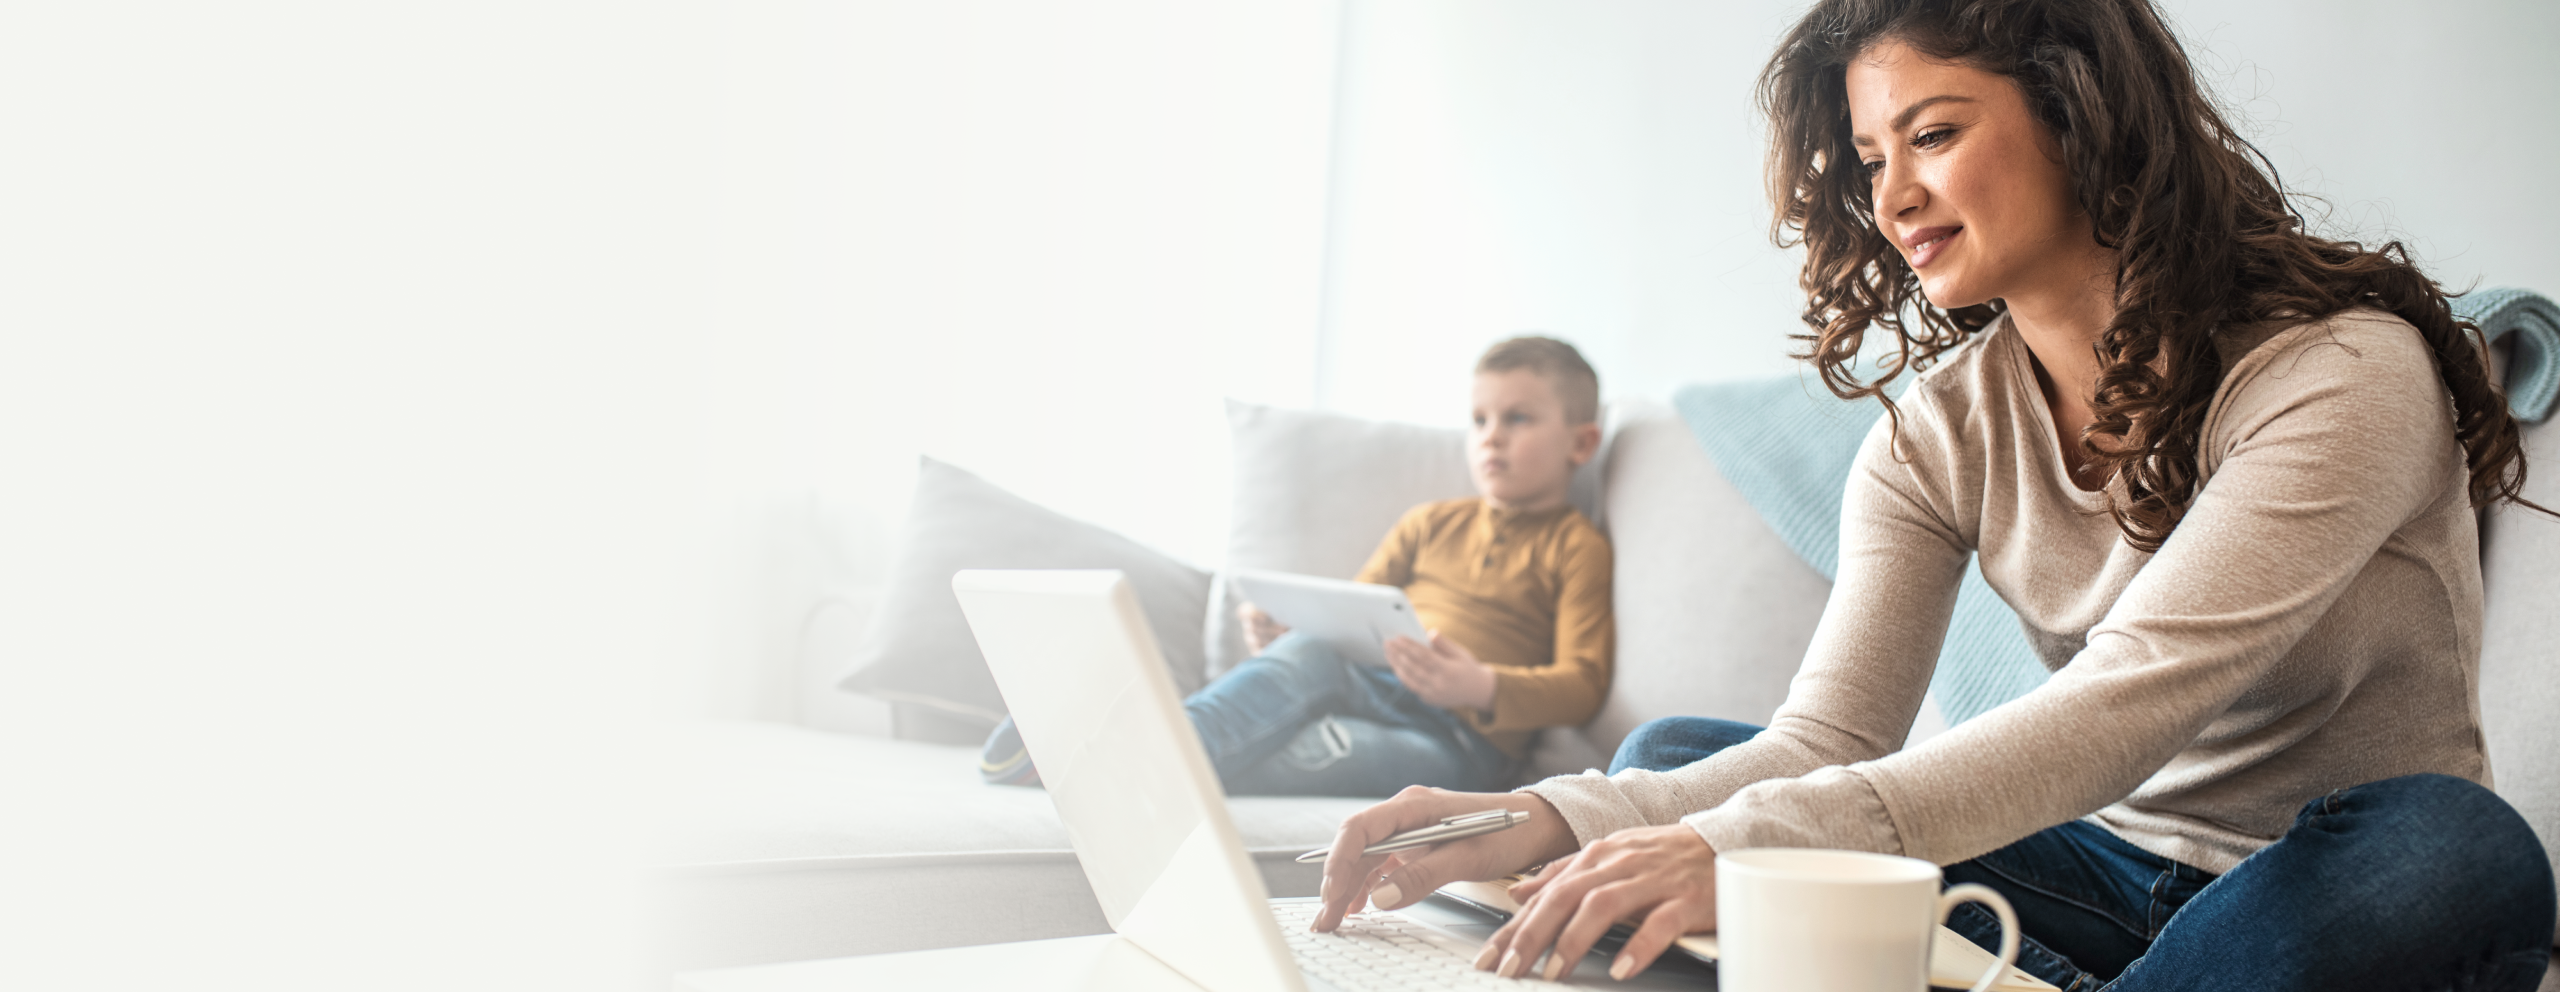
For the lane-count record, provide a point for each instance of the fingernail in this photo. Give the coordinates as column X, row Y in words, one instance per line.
column 1484, row 958
column 1510, row 965
column 1555, row 966
column 1625, row 965
column 1385, row 895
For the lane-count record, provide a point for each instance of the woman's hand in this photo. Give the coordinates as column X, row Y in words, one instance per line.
column 1663, row 879
column 1259, row 628
column 1442, row 673
column 1404, row 877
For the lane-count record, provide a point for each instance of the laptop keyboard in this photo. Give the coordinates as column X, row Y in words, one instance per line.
column 1379, row 952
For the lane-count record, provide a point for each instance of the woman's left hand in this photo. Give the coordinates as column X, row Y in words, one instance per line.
column 1662, row 879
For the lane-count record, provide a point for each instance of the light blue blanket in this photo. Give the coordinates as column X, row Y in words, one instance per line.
column 2533, row 366
column 1787, row 444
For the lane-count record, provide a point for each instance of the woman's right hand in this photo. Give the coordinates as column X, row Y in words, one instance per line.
column 1259, row 628
column 1405, row 877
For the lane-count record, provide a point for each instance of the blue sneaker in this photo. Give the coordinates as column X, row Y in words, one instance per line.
column 1004, row 761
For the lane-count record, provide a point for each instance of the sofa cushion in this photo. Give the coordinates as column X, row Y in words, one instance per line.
column 752, row 791
column 1714, row 611
column 2520, row 644
column 780, row 843
column 919, row 651
column 1315, row 492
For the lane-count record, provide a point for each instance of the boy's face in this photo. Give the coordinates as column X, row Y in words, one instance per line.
column 1521, row 451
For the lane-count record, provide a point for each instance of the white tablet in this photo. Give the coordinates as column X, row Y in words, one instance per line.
column 1354, row 618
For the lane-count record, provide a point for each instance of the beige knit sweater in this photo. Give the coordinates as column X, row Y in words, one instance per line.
column 2313, row 623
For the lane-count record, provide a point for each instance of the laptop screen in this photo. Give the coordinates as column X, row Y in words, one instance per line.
column 1087, row 687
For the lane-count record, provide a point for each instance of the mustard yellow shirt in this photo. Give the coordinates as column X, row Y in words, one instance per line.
column 1527, row 593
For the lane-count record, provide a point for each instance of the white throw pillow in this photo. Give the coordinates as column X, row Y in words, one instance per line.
column 1315, row 493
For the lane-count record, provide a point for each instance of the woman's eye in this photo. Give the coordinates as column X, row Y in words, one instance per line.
column 1931, row 137
column 1874, row 166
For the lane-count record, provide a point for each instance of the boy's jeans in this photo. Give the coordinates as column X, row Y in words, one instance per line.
column 2416, row 882
column 1299, row 720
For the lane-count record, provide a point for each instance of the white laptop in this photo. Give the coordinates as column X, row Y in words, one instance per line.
column 1355, row 619
column 1088, row 690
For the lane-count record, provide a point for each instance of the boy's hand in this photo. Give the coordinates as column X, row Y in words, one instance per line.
column 1442, row 673
column 1259, row 629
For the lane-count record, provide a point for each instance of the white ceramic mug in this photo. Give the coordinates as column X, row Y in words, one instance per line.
column 1837, row 921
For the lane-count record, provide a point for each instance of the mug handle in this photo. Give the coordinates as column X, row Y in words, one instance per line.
column 1986, row 895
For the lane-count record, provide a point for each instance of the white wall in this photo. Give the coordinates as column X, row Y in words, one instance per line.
column 1038, row 241
column 2429, row 123
column 344, row 397
column 1592, row 170
column 1589, row 170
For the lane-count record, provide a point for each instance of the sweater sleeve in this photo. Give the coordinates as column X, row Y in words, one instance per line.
column 1569, row 690
column 1864, row 674
column 2318, row 467
column 1392, row 563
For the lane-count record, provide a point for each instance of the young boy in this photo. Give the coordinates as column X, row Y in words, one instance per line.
column 1512, row 584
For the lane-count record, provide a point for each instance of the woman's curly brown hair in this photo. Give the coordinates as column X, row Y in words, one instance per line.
column 2204, row 235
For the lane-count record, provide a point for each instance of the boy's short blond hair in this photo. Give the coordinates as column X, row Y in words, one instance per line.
column 1574, row 381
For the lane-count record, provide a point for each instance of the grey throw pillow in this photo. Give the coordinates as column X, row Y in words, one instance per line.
column 919, row 651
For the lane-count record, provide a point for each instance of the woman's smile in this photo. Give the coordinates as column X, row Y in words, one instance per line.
column 1926, row 244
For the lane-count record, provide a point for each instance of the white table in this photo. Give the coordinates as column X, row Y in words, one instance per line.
column 1110, row 962
column 1100, row 963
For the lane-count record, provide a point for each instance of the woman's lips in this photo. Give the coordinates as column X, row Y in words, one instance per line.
column 1927, row 243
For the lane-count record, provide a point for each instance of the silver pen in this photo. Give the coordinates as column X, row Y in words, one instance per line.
column 1448, row 829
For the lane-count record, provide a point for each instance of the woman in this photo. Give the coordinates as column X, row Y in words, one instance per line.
column 2225, row 471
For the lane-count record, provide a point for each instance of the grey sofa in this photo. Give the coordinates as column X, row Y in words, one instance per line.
column 787, row 843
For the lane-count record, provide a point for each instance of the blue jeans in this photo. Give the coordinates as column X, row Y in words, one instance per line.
column 2416, row 882
column 1298, row 720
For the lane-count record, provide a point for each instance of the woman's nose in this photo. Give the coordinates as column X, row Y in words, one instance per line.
column 1898, row 190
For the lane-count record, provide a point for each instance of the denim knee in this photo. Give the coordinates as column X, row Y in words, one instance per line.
column 1672, row 741
column 2457, row 834
column 1300, row 653
column 2426, row 804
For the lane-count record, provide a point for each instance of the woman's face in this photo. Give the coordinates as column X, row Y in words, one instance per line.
column 1966, row 183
